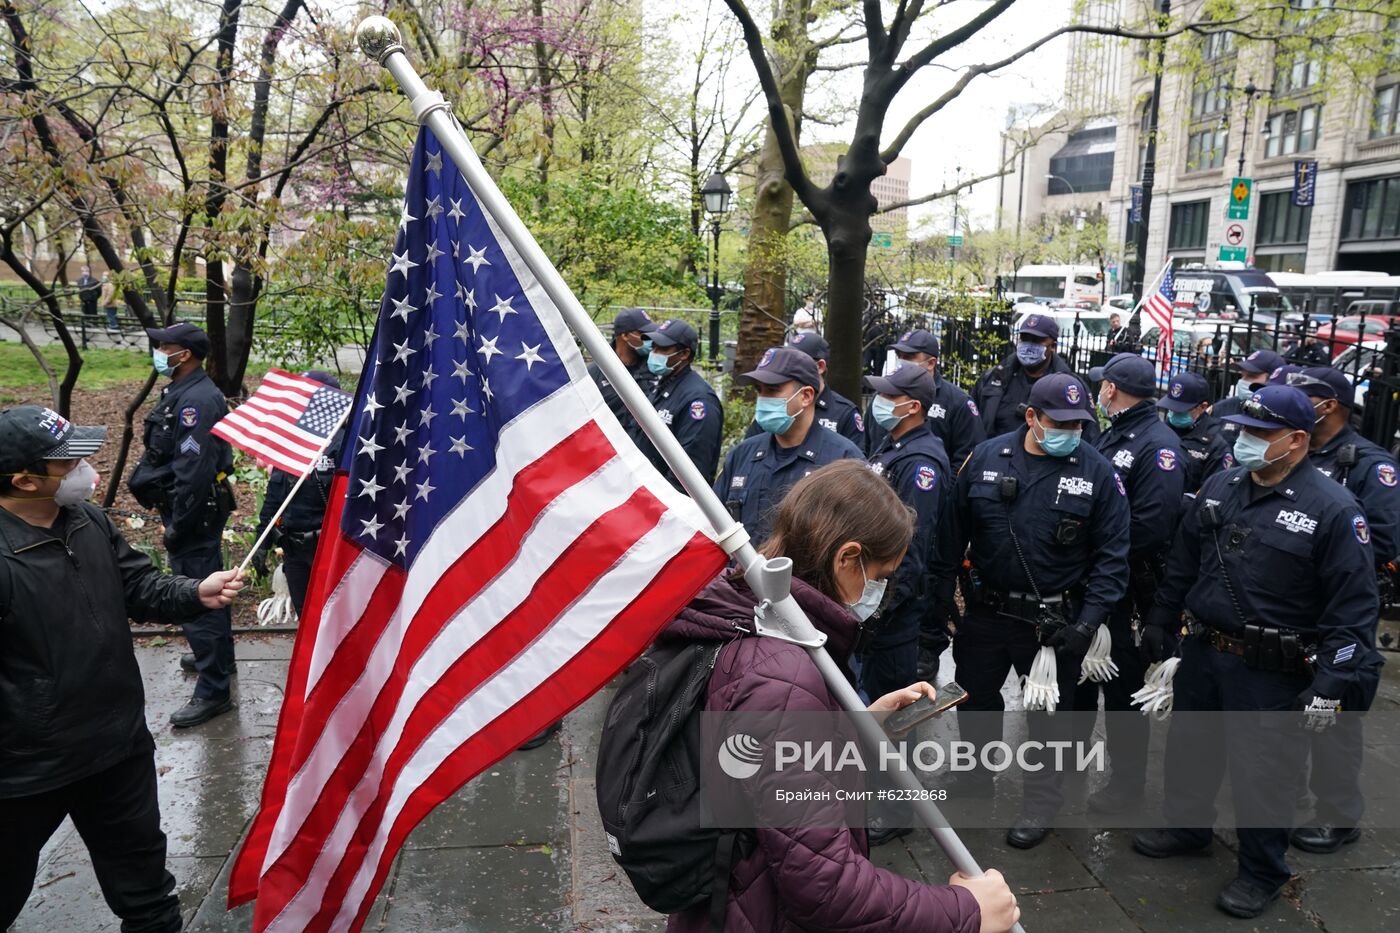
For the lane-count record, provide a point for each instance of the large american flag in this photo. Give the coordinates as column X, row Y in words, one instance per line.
column 1158, row 309
column 495, row 551
column 288, row 421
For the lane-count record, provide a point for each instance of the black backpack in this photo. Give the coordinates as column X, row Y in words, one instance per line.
column 657, row 823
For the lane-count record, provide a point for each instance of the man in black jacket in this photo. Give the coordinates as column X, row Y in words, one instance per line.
column 1001, row 393
column 73, row 736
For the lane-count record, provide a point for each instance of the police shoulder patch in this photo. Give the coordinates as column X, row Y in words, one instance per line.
column 1360, row 529
column 1385, row 474
column 860, row 423
column 972, row 407
column 189, row 416
column 1166, row 459
column 925, row 477
column 1118, row 481
column 697, row 410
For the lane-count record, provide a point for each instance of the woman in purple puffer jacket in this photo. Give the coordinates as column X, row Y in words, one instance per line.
column 846, row 532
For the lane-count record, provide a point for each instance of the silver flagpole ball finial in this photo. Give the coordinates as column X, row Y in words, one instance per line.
column 377, row 36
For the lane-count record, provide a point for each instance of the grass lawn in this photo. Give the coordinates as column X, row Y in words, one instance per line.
column 102, row 369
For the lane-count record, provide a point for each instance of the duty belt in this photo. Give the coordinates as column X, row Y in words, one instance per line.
column 1263, row 647
column 1025, row 606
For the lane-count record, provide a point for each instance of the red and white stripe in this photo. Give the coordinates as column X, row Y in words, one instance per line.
column 528, row 597
column 266, row 424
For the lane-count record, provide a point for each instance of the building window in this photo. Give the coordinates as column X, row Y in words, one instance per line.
column 1372, row 210
column 1296, row 72
column 1188, row 225
column 1281, row 222
column 1383, row 114
column 1210, row 95
column 1205, row 149
column 1217, row 45
column 1294, row 131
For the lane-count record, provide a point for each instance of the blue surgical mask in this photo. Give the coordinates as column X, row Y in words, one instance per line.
column 161, row 361
column 1181, row 420
column 645, row 348
column 883, row 410
column 658, row 363
column 1030, row 354
column 1103, row 408
column 1244, row 388
column 871, row 595
column 1057, row 442
column 1252, row 452
column 771, row 414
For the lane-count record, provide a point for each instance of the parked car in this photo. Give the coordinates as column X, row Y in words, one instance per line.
column 1360, row 362
column 1346, row 331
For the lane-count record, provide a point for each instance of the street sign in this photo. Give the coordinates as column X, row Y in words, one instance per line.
column 1240, row 189
column 955, row 241
column 1234, row 234
column 882, row 240
column 1233, row 253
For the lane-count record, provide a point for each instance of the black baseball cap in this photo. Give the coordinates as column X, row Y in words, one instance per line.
column 323, row 377
column 1040, row 325
column 812, row 344
column 1260, row 361
column 184, row 335
column 1129, row 372
column 675, row 333
column 1184, row 392
column 913, row 381
column 30, row 433
column 1059, row 396
column 1325, row 382
column 1276, row 407
column 630, row 319
column 917, row 341
column 784, row 364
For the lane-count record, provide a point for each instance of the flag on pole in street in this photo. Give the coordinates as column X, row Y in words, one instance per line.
column 287, row 422
column 1157, row 307
column 496, row 549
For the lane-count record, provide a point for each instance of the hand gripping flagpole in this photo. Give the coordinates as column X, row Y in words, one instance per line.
column 780, row 616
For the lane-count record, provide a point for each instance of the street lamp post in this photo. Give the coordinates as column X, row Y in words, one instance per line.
column 1251, row 93
column 1050, row 175
column 716, row 195
column 1149, row 159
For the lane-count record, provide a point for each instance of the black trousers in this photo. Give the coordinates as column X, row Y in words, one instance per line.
column 296, row 567
column 1337, row 754
column 1127, row 735
column 210, row 634
column 891, row 660
column 116, row 813
column 986, row 648
column 1266, row 769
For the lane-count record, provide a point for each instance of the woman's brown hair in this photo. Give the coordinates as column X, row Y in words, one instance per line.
column 843, row 501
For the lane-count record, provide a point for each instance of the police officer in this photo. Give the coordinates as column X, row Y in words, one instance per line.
column 1273, row 564
column 184, row 474
column 912, row 458
column 835, row 412
column 299, row 528
column 1369, row 473
column 1186, row 407
column 1148, row 459
column 1044, row 523
column 684, row 400
column 1254, row 373
column 952, row 416
column 760, row 470
column 631, row 331
column 1000, row 392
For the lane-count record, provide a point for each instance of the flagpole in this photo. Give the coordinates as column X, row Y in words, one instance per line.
column 287, row 500
column 778, row 615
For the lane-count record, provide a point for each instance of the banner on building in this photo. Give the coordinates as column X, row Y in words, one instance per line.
column 1304, row 182
column 1135, row 212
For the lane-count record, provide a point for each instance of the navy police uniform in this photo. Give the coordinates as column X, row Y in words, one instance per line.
column 953, row 415
column 759, row 471
column 1254, row 370
column 629, row 320
column 1148, row 460
column 1001, row 393
column 183, row 474
column 1062, row 519
column 917, row 467
column 835, row 412
column 1368, row 472
column 1205, row 448
column 687, row 405
column 1266, row 575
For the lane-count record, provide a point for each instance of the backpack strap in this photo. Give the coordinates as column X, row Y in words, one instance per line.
column 725, row 849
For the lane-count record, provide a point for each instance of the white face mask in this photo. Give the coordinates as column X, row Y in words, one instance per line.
column 77, row 485
column 871, row 595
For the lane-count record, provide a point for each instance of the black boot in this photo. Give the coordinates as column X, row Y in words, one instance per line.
column 187, row 663
column 1027, row 833
column 1243, row 899
column 199, row 710
column 1115, row 798
column 1163, row 843
column 1323, row 840
column 543, row 737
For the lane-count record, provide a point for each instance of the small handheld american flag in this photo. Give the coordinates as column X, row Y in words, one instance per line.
column 1157, row 307
column 287, row 422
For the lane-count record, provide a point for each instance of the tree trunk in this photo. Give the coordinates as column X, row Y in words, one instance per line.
column 220, row 361
column 63, row 390
column 128, row 434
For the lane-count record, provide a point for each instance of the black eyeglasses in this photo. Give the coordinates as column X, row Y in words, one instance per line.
column 1257, row 409
column 1303, row 381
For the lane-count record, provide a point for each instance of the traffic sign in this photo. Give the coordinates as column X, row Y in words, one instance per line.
column 882, row 240
column 1234, row 234
column 1240, row 190
column 1233, row 254
column 955, row 241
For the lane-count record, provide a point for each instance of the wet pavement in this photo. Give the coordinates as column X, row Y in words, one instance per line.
column 521, row 848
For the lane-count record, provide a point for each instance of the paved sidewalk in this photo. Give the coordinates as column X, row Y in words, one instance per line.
column 520, row 848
